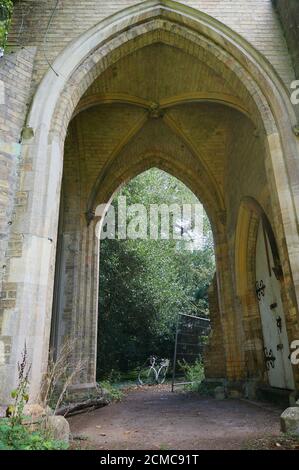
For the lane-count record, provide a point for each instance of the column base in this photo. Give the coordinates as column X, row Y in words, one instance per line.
column 81, row 392
column 277, row 396
column 232, row 389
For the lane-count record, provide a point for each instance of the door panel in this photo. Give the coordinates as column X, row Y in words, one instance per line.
column 276, row 342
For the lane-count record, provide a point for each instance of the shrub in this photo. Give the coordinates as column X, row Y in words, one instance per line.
column 6, row 7
column 19, row 437
column 20, row 394
column 113, row 393
column 15, row 433
column 114, row 376
column 194, row 373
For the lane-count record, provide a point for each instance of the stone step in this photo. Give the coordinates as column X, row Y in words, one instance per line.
column 278, row 396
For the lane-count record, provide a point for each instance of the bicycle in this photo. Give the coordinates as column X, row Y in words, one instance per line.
column 153, row 373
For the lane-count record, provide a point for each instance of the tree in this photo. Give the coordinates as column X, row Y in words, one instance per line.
column 144, row 284
column 6, row 7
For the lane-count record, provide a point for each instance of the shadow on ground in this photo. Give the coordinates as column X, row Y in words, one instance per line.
column 153, row 418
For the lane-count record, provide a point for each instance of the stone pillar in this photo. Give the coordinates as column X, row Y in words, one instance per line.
column 214, row 356
column 31, row 270
column 86, row 316
column 15, row 81
column 76, row 312
column 231, row 321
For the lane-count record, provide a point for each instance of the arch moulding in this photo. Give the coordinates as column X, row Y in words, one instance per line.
column 52, row 108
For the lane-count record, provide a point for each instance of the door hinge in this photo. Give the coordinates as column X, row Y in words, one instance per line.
column 269, row 358
column 279, row 323
column 260, row 289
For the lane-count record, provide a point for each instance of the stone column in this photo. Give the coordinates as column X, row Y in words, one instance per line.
column 214, row 356
column 31, row 271
column 77, row 303
column 232, row 326
column 86, row 315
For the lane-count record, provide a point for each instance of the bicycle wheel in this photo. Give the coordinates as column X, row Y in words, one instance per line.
column 162, row 374
column 147, row 376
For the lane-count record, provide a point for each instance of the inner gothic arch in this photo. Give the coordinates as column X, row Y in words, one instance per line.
column 222, row 123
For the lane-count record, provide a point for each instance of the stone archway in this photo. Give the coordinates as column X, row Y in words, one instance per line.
column 62, row 98
column 251, row 215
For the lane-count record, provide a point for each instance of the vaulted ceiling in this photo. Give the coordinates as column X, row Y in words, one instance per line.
column 159, row 106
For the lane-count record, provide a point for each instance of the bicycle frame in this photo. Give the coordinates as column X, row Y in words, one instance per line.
column 157, row 368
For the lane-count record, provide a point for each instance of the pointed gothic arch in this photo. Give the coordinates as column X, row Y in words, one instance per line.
column 54, row 105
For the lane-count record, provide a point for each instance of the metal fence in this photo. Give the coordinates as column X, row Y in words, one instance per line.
column 190, row 340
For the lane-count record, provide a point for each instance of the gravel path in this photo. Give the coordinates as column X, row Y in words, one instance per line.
column 155, row 419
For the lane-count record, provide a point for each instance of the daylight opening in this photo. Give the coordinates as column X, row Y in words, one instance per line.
column 161, row 269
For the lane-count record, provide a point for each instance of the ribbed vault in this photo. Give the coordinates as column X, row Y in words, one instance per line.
column 157, row 84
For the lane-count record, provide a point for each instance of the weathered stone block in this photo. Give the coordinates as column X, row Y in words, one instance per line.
column 34, row 411
column 234, row 394
column 250, row 389
column 59, row 428
column 289, row 420
column 219, row 393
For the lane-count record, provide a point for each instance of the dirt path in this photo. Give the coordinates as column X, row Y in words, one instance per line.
column 155, row 419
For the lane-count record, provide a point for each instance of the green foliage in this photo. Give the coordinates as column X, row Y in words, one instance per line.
column 113, row 392
column 193, row 373
column 145, row 284
column 19, row 437
column 14, row 433
column 20, row 394
column 6, row 7
column 114, row 376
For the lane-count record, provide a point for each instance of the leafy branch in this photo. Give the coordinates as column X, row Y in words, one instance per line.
column 6, row 8
column 20, row 394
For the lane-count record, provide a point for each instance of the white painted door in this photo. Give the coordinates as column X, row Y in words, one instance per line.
column 276, row 344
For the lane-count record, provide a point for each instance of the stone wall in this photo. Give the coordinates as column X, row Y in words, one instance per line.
column 15, row 79
column 255, row 20
column 288, row 11
column 223, row 150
